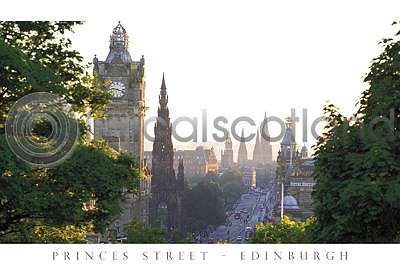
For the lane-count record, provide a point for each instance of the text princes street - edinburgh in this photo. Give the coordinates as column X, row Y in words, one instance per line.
column 173, row 256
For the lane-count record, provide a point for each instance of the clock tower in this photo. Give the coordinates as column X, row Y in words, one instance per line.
column 123, row 125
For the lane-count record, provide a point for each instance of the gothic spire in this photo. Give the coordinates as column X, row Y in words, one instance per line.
column 258, row 138
column 264, row 130
column 242, row 140
column 242, row 153
column 163, row 121
column 256, row 150
column 163, row 87
column 163, row 98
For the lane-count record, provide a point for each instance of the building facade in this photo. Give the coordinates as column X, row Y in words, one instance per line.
column 294, row 178
column 248, row 177
column 123, row 125
column 197, row 162
column 227, row 155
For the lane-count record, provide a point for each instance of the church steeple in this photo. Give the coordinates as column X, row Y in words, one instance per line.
column 265, row 137
column 265, row 142
column 262, row 153
column 256, row 150
column 242, row 154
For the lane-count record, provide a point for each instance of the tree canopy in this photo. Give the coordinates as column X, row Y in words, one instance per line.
column 203, row 205
column 285, row 231
column 35, row 202
column 357, row 191
column 37, row 56
column 82, row 194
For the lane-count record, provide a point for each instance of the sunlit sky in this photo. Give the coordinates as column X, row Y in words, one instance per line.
column 238, row 58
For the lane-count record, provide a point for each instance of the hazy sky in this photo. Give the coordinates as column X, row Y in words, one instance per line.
column 237, row 58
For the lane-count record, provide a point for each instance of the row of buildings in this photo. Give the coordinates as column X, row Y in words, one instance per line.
column 197, row 162
column 262, row 152
column 258, row 171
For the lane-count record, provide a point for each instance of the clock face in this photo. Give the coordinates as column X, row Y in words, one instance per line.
column 117, row 88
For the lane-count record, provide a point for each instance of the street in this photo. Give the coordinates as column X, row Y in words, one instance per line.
column 250, row 209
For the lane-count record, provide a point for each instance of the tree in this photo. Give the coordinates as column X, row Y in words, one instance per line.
column 203, row 205
column 36, row 56
column 48, row 205
column 286, row 231
column 232, row 188
column 138, row 233
column 357, row 191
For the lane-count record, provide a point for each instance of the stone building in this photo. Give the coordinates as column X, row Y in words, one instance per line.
column 197, row 162
column 123, row 125
column 265, row 175
column 294, row 176
column 248, row 176
column 227, row 155
column 166, row 187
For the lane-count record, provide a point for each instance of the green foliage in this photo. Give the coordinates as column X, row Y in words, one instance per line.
column 138, row 233
column 37, row 202
column 286, row 231
column 357, row 195
column 65, row 234
column 232, row 188
column 188, row 239
column 46, row 205
column 37, row 56
column 207, row 198
column 203, row 205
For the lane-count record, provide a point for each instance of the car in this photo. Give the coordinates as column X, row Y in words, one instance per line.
column 239, row 238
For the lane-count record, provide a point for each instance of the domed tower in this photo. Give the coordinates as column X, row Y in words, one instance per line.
column 304, row 152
